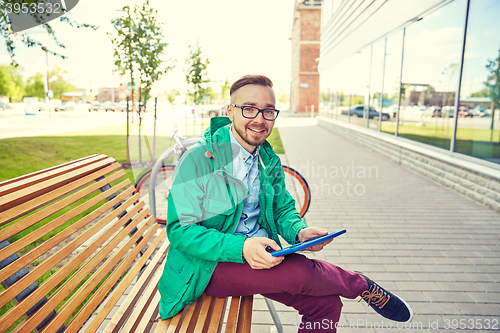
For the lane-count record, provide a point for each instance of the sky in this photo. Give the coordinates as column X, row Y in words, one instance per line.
column 238, row 37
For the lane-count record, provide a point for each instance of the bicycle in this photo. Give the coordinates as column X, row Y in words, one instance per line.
column 164, row 174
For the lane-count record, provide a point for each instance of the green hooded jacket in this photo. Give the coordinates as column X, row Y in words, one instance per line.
column 204, row 207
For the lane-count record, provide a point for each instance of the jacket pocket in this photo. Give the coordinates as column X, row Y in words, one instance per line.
column 179, row 272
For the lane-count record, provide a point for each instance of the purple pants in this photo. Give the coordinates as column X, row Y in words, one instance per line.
column 310, row 286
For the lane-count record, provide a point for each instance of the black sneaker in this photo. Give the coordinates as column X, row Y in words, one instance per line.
column 386, row 303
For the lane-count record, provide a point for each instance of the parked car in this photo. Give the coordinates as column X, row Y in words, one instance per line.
column 218, row 112
column 480, row 111
column 4, row 106
column 122, row 106
column 96, row 106
column 359, row 111
column 109, row 106
column 42, row 107
column 463, row 111
column 65, row 106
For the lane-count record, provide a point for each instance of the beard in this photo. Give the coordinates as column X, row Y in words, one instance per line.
column 249, row 139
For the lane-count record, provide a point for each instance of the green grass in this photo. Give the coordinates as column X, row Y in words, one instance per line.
column 480, row 143
column 275, row 141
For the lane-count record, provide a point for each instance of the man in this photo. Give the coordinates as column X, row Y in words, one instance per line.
column 229, row 202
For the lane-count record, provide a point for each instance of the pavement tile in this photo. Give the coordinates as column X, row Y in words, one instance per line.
column 485, row 261
column 365, row 268
column 416, row 286
column 489, row 287
column 430, row 277
column 448, row 296
column 392, row 276
column 459, row 286
column 480, row 309
column 484, row 297
column 403, row 268
column 412, row 296
column 464, row 277
column 415, row 260
column 434, row 307
column 342, row 260
column 452, row 261
column 379, row 260
column 442, row 268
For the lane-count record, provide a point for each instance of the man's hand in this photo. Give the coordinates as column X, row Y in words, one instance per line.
column 256, row 255
column 313, row 232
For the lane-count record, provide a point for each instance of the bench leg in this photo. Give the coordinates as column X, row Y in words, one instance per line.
column 274, row 314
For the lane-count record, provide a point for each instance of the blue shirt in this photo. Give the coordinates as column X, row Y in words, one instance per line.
column 246, row 169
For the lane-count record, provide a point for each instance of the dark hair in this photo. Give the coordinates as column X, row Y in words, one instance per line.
column 259, row 80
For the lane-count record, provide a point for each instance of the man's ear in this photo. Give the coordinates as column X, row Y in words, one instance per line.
column 230, row 112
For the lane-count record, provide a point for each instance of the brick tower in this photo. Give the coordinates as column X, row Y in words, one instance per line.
column 304, row 90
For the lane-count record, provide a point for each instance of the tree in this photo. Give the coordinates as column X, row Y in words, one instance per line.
column 282, row 96
column 197, row 74
column 211, row 93
column 492, row 83
column 34, row 86
column 11, row 83
column 41, row 19
column 58, row 84
column 139, row 47
column 485, row 92
column 225, row 89
column 172, row 94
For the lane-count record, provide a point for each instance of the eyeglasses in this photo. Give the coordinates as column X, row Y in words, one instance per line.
column 252, row 112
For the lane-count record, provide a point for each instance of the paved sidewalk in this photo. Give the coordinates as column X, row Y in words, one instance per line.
column 437, row 249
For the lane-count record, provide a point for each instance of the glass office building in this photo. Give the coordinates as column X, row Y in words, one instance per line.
column 429, row 72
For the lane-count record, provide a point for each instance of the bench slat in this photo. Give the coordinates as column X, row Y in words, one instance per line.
column 15, row 198
column 218, row 315
column 71, row 284
column 174, row 322
column 57, row 222
column 202, row 324
column 162, row 326
column 233, row 315
column 120, row 290
column 126, row 307
column 141, row 306
column 20, row 180
column 245, row 315
column 23, row 208
column 45, row 266
column 97, row 277
column 191, row 314
column 145, row 324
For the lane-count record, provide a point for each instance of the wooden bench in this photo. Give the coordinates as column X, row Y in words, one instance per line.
column 76, row 243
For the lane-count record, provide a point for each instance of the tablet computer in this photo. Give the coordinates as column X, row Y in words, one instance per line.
column 305, row 244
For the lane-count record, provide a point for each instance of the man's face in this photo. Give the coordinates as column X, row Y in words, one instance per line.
column 251, row 133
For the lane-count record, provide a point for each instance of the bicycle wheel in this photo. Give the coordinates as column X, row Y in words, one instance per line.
column 162, row 188
column 298, row 188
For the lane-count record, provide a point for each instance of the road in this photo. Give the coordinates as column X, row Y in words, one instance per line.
column 14, row 123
